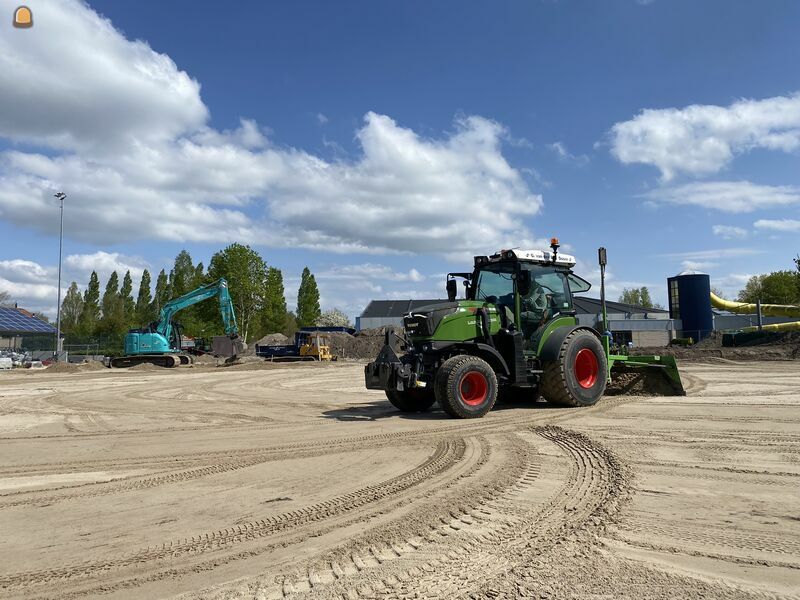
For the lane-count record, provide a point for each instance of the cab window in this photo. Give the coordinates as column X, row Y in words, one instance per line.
column 496, row 285
column 549, row 287
column 578, row 285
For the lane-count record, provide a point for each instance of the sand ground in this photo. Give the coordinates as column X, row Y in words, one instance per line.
column 295, row 481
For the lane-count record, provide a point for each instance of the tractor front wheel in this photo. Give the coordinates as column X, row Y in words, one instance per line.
column 466, row 387
column 578, row 376
column 416, row 400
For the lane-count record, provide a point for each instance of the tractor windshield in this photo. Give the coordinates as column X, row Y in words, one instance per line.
column 548, row 296
column 549, row 288
column 496, row 284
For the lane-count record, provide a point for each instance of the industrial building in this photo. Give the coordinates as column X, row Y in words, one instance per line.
column 628, row 323
column 382, row 313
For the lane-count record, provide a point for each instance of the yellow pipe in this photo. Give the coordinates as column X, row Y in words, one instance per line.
column 768, row 310
column 791, row 326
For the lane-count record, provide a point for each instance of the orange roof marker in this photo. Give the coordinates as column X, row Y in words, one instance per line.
column 23, row 17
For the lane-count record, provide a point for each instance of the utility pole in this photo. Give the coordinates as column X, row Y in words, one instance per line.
column 60, row 196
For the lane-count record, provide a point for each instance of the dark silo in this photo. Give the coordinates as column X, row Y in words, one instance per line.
column 689, row 300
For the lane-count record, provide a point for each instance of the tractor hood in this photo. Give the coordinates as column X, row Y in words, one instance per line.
column 450, row 321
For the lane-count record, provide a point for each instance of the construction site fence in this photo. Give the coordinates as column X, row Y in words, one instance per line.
column 75, row 345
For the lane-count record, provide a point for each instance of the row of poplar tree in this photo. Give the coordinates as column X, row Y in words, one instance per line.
column 256, row 290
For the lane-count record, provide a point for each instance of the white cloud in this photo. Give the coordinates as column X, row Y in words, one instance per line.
column 80, row 266
column 698, row 265
column 125, row 135
column 729, row 232
column 29, row 295
column 369, row 271
column 322, row 119
column 351, row 287
column 92, row 88
column 561, row 151
column 731, row 284
column 407, row 193
column 728, row 196
column 717, row 254
column 31, row 285
column 702, row 139
column 787, row 225
column 21, row 270
column 34, row 286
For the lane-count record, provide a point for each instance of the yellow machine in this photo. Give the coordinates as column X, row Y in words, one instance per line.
column 315, row 347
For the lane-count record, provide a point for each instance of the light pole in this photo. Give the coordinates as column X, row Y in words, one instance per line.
column 60, row 197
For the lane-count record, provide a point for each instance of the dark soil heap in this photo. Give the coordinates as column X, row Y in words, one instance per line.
column 365, row 344
column 780, row 346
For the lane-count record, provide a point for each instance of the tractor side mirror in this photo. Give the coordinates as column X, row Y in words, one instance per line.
column 452, row 289
column 524, row 282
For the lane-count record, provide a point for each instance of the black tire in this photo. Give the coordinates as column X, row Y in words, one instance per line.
column 466, row 387
column 416, row 400
column 578, row 377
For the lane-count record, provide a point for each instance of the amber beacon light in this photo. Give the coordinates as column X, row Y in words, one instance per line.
column 23, row 18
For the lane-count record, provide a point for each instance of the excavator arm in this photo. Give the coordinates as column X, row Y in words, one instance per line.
column 219, row 289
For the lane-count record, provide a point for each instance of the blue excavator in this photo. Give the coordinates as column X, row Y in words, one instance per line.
column 160, row 342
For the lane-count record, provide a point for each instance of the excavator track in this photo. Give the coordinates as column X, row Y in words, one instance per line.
column 160, row 360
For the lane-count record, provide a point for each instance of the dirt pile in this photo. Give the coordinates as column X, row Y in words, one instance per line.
column 272, row 339
column 65, row 367
column 644, row 382
column 205, row 359
column 146, row 367
column 62, row 367
column 241, row 360
column 780, row 350
column 91, row 365
column 364, row 345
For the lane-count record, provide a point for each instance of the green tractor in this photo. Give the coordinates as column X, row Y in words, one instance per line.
column 516, row 334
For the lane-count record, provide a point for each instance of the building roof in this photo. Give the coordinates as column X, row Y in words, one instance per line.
column 16, row 321
column 394, row 308
column 591, row 306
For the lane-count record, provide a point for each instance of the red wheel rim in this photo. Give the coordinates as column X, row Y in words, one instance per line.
column 586, row 368
column 474, row 388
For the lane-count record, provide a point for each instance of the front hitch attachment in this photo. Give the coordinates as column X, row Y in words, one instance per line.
column 388, row 372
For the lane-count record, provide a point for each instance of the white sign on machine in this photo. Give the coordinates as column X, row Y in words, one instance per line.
column 544, row 256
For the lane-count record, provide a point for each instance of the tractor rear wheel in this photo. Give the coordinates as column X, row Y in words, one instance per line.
column 416, row 400
column 466, row 387
column 578, row 376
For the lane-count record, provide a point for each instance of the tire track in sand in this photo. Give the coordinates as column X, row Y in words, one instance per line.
column 480, row 542
column 446, row 455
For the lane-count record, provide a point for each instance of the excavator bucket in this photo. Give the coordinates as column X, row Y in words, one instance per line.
column 645, row 374
column 238, row 344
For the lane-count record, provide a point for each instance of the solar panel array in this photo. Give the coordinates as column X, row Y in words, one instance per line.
column 13, row 321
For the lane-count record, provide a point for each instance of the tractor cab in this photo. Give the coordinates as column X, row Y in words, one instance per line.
column 529, row 288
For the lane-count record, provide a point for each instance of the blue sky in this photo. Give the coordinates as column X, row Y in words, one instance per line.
column 385, row 143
